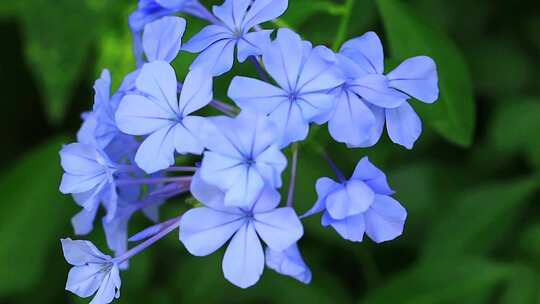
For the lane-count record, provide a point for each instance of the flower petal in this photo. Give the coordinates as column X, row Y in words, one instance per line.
column 324, row 186
column 109, row 288
column 279, row 228
column 283, row 58
column 385, row 219
column 268, row 200
column 218, row 58
column 353, row 198
column 351, row 228
column 292, row 125
column 85, row 280
column 186, row 135
column 372, row 176
column 162, row 38
column 352, row 119
column 403, row 125
column 318, row 72
column 157, row 151
column 207, row 194
column 232, row 12
column 206, row 37
column 139, row 115
column 253, row 43
column 79, row 252
column 158, row 80
column 261, row 97
column 196, row 91
column 375, row 89
column 270, row 164
column 221, row 170
column 289, row 262
column 204, row 230
column 262, row 11
column 83, row 221
column 366, row 51
column 416, row 76
column 243, row 262
column 246, row 188
column 102, row 88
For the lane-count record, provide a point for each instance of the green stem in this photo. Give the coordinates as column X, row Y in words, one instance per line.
column 344, row 24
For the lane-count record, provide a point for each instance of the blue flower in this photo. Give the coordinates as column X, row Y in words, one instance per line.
column 89, row 177
column 289, row 262
column 162, row 38
column 369, row 98
column 204, row 230
column 92, row 273
column 151, row 10
column 242, row 157
column 236, row 18
column 363, row 204
column 157, row 112
column 304, row 76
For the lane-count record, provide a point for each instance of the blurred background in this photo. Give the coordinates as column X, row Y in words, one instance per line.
column 471, row 185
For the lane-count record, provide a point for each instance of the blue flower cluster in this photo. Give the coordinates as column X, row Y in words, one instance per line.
column 125, row 158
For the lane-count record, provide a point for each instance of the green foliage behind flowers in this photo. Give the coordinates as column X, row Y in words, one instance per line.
column 472, row 235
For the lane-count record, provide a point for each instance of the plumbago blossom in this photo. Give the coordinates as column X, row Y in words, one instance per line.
column 126, row 158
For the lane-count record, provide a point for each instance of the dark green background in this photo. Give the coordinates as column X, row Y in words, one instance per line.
column 471, row 185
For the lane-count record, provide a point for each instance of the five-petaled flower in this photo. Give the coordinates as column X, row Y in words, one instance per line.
column 204, row 230
column 304, row 76
column 156, row 111
column 92, row 273
column 363, row 204
column 217, row 42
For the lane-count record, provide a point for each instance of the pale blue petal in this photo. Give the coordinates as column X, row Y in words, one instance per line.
column 232, row 12
column 253, row 43
column 284, row 57
column 90, row 199
column 219, row 135
column 218, row 58
column 109, row 288
column 102, row 88
column 172, row 4
column 403, row 125
column 385, row 219
column 86, row 134
column 85, row 280
column 318, row 73
column 243, row 263
column 416, row 76
column 139, row 115
column 267, row 201
column 162, row 38
column 353, row 198
column 206, row 37
column 157, row 151
column 372, row 176
column 289, row 262
column 351, row 228
column 270, row 165
column 157, row 79
column 81, row 183
column 262, row 11
column 78, row 252
column 261, row 97
column 366, row 51
column 196, row 91
column 83, row 221
column 221, row 170
column 375, row 89
column 289, row 119
column 315, row 105
column 186, row 135
column 81, row 159
column 279, row 228
column 324, row 186
column 208, row 195
column 352, row 120
column 205, row 230
column 246, row 188
column 375, row 132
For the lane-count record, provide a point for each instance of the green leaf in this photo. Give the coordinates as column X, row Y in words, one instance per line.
column 479, row 219
column 58, row 39
column 35, row 217
column 512, row 125
column 440, row 281
column 522, row 287
column 453, row 114
column 300, row 11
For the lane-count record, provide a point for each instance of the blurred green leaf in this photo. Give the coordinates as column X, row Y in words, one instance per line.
column 453, row 114
column 512, row 125
column 479, row 219
column 522, row 286
column 58, row 39
column 35, row 216
column 301, row 10
column 440, row 281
